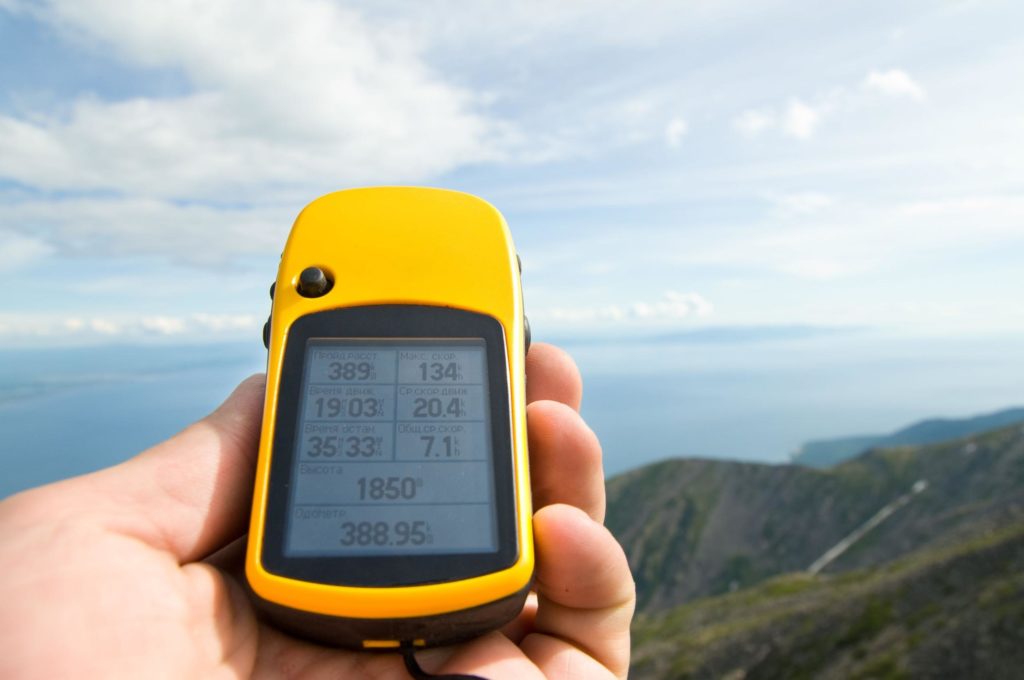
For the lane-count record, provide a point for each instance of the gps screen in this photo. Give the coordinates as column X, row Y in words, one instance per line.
column 393, row 450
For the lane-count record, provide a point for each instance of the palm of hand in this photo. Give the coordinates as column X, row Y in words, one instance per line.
column 125, row 572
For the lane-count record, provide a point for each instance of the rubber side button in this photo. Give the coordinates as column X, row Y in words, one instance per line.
column 313, row 282
column 526, row 333
column 266, row 334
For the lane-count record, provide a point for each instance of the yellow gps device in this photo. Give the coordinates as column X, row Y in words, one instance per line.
column 392, row 498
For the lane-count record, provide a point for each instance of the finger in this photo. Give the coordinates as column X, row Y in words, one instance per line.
column 280, row 655
column 189, row 495
column 584, row 587
column 565, row 459
column 223, row 623
column 559, row 660
column 552, row 374
column 492, row 656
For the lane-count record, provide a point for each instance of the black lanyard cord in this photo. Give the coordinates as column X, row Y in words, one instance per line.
column 413, row 666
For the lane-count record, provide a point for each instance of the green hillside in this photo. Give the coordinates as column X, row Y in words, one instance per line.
column 954, row 612
column 695, row 528
column 720, row 550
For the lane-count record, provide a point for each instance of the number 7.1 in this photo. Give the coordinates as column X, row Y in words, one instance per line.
column 446, row 441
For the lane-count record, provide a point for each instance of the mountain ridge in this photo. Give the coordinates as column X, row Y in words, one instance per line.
column 706, row 527
column 720, row 552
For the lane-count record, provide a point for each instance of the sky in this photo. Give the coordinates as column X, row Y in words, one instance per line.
column 664, row 166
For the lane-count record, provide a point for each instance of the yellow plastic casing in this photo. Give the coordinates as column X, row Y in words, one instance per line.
column 399, row 245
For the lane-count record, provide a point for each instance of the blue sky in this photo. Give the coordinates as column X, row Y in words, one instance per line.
column 664, row 166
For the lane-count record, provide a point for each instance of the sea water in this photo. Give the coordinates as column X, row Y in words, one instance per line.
column 64, row 412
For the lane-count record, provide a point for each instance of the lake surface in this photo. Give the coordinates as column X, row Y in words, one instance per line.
column 68, row 411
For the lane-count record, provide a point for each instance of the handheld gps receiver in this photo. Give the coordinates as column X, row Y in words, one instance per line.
column 392, row 497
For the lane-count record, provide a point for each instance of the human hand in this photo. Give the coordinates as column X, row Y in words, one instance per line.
column 124, row 572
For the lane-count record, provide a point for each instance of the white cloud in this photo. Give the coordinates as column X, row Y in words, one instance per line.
column 497, row 26
column 104, row 327
column 196, row 234
column 676, row 129
column 802, row 203
column 224, row 323
column 800, row 120
column 673, row 306
column 163, row 325
column 982, row 208
column 753, row 122
column 816, row 268
column 335, row 102
column 894, row 83
column 18, row 329
column 877, row 238
column 17, row 251
column 261, row 128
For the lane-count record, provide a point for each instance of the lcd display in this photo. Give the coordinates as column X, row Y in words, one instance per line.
column 393, row 450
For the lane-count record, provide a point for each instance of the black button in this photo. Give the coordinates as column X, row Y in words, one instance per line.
column 266, row 333
column 272, row 286
column 526, row 333
column 313, row 282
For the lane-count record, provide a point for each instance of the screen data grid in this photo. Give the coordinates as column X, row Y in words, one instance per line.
column 393, row 450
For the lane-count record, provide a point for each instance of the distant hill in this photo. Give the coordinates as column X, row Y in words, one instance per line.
column 695, row 528
column 823, row 453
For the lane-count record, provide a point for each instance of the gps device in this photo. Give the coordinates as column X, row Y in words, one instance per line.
column 392, row 498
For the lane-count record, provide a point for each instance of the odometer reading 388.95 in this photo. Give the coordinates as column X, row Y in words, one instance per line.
column 393, row 450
